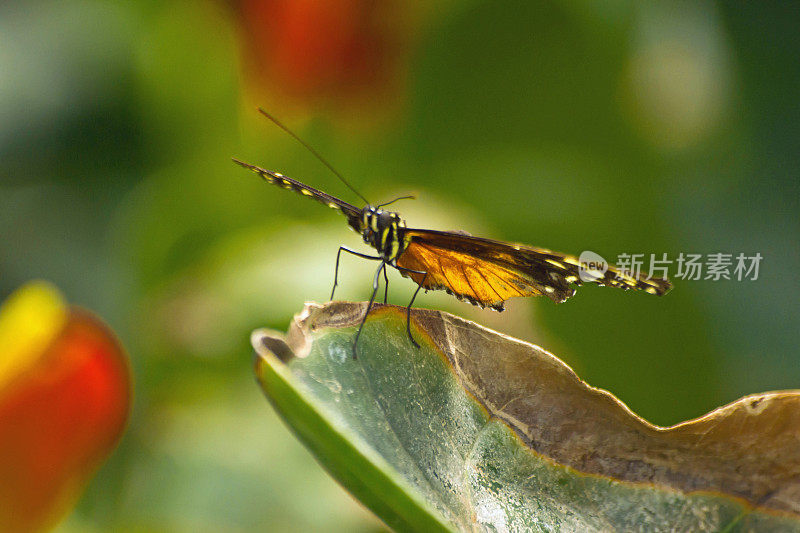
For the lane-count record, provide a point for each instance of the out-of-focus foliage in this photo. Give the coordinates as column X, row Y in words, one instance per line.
column 665, row 127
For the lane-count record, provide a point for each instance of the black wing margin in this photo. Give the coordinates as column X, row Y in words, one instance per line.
column 352, row 213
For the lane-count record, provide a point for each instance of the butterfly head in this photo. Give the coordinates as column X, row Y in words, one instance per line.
column 383, row 231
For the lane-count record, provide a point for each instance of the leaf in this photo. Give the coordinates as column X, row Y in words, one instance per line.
column 479, row 431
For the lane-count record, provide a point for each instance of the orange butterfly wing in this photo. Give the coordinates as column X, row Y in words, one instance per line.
column 487, row 272
column 479, row 281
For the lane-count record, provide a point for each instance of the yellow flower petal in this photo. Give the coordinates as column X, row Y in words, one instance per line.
column 29, row 321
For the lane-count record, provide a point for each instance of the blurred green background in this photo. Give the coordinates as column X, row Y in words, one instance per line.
column 617, row 127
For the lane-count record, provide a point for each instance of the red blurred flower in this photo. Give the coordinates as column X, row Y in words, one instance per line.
column 346, row 49
column 64, row 400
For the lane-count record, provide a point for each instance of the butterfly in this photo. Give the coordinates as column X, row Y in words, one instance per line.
column 484, row 272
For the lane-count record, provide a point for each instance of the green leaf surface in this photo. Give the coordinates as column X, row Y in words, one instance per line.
column 477, row 431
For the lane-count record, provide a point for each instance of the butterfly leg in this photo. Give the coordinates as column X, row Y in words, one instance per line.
column 375, row 283
column 408, row 311
column 386, row 286
column 336, row 271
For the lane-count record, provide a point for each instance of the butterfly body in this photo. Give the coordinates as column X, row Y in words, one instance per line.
column 384, row 231
column 484, row 272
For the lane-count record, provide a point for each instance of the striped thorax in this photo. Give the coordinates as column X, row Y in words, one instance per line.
column 383, row 230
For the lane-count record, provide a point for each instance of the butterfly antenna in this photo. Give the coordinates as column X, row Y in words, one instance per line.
column 409, row 197
column 314, row 152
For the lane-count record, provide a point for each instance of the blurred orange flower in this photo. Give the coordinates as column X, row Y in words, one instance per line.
column 64, row 399
column 344, row 49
